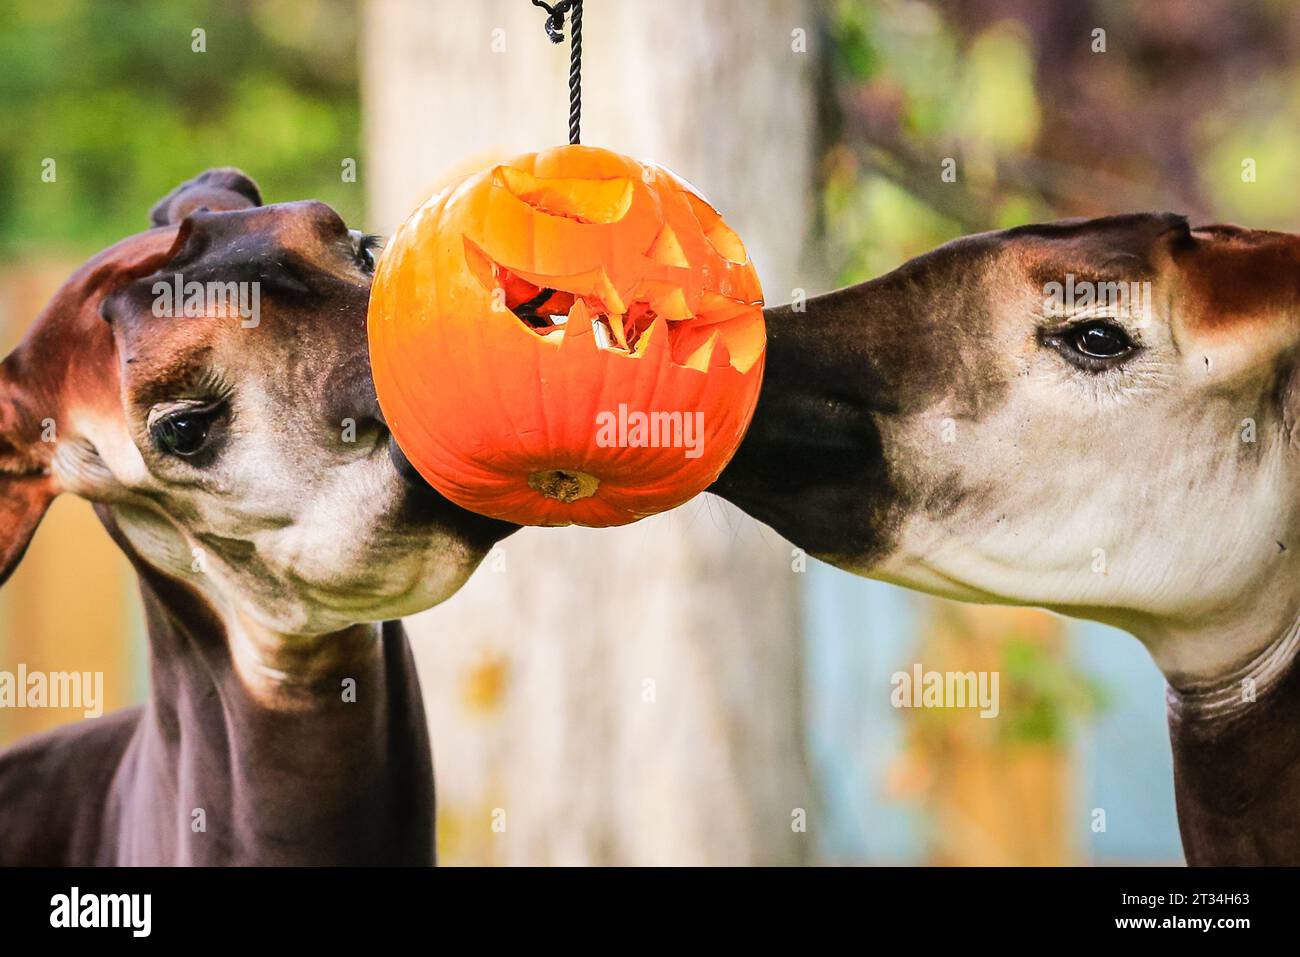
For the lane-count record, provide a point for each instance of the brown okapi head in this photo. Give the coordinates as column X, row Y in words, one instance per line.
column 1091, row 416
column 206, row 383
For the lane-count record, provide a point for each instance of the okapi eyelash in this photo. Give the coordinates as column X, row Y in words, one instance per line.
column 163, row 411
column 369, row 245
column 208, row 391
column 1049, row 324
column 213, row 387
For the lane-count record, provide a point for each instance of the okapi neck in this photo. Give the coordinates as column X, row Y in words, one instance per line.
column 1236, row 753
column 214, row 776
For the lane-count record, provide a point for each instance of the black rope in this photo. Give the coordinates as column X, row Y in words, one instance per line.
column 554, row 29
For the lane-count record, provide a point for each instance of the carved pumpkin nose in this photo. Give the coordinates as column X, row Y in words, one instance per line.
column 571, row 337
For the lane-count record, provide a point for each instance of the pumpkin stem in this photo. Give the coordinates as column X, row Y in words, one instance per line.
column 564, row 485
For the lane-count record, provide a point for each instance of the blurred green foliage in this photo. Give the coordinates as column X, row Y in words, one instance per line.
column 1084, row 108
column 114, row 93
column 1043, row 694
column 1048, row 694
column 910, row 72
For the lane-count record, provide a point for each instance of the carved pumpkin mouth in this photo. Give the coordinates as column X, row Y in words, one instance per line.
column 617, row 326
column 546, row 312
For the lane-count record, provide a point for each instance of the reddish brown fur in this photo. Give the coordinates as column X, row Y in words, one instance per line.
column 1237, row 277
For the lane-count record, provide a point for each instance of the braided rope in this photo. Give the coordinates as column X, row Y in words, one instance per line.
column 554, row 29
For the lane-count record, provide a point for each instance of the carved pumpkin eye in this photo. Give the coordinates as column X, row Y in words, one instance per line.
column 569, row 337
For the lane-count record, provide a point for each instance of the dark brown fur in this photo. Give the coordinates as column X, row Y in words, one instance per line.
column 208, row 772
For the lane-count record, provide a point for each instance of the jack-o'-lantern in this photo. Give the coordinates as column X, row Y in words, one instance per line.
column 568, row 337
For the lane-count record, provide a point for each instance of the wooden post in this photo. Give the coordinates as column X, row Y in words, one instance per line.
column 628, row 696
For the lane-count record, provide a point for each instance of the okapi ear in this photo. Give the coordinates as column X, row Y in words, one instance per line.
column 26, row 488
column 216, row 190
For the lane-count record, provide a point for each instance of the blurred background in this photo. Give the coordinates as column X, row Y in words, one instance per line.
column 689, row 689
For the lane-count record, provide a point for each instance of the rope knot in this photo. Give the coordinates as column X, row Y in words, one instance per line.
column 555, row 18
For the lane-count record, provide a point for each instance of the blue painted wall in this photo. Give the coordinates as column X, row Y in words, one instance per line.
column 858, row 632
column 1124, row 759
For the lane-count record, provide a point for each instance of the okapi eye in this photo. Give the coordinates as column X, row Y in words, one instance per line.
column 1101, row 340
column 183, row 433
column 367, row 245
column 1093, row 346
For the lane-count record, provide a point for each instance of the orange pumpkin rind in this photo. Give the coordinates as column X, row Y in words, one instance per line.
column 498, row 392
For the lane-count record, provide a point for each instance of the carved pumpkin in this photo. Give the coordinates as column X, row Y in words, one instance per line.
column 568, row 337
